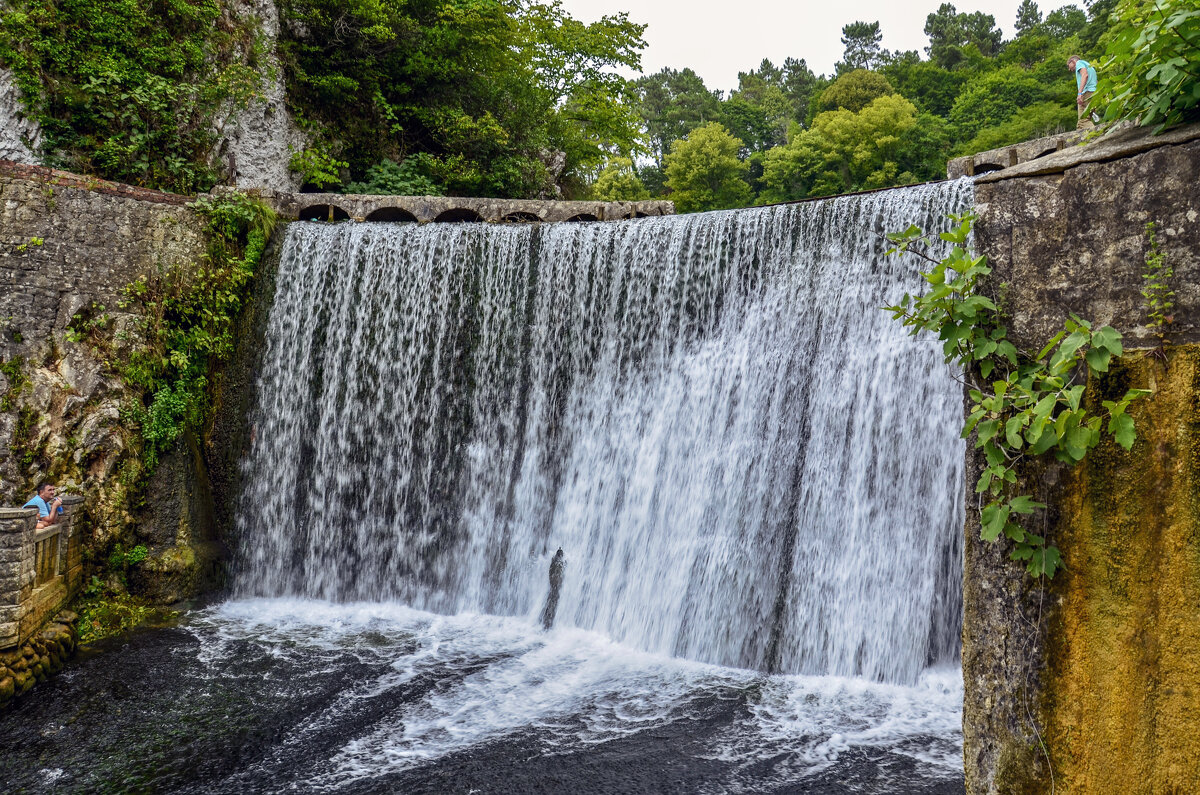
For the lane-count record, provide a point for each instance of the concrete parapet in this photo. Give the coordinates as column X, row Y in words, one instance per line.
column 40, row 570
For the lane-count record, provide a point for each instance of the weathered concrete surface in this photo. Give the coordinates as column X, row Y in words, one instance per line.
column 425, row 209
column 69, row 245
column 1075, row 241
column 19, row 135
column 1092, row 683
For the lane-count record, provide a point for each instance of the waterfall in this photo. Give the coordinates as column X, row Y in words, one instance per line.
column 744, row 460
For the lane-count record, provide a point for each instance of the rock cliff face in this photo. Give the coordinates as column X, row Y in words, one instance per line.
column 68, row 249
column 19, row 136
column 258, row 142
column 1093, row 681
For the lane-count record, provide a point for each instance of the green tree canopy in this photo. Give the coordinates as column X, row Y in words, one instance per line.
column 672, row 104
column 855, row 90
column 842, row 151
column 619, row 182
column 487, row 88
column 950, row 33
column 1028, row 17
column 705, row 173
column 993, row 98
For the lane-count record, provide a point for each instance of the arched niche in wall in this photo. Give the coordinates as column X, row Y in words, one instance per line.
column 324, row 212
column 582, row 217
column 458, row 215
column 520, row 218
column 392, row 215
column 984, row 168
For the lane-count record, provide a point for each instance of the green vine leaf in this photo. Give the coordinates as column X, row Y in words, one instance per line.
column 1021, row 406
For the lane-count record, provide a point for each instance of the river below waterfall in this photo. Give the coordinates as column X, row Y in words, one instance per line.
column 281, row 695
column 753, row 474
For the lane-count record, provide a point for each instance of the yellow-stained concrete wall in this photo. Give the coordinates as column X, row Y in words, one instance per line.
column 1121, row 691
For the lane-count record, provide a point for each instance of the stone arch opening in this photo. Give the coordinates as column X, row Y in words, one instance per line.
column 459, row 215
column 520, row 218
column 324, row 212
column 1047, row 152
column 582, row 217
column 391, row 215
column 985, row 168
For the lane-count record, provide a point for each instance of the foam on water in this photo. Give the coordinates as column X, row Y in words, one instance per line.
column 571, row 687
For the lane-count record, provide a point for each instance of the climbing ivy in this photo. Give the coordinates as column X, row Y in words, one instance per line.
column 1156, row 287
column 186, row 318
column 1023, row 405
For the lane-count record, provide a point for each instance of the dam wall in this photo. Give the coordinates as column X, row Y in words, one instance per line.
column 1091, row 682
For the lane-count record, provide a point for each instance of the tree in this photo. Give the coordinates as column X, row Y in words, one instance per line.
column 799, row 84
column 993, row 98
column 1028, row 17
column 619, row 182
column 930, row 87
column 845, row 151
column 855, row 90
column 1033, row 121
column 950, row 33
column 861, row 41
column 760, row 110
column 491, row 91
column 1062, row 23
column 704, row 172
column 672, row 104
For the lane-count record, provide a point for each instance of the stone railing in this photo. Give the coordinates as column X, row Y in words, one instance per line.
column 40, row 570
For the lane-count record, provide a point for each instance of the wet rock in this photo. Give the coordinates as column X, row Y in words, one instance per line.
column 557, row 568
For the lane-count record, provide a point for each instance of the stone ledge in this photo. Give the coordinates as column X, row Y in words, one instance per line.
column 1119, row 142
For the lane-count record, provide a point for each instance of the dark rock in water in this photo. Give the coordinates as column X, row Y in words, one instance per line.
column 556, row 577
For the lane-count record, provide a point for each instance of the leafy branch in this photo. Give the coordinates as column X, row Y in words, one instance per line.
column 1023, row 405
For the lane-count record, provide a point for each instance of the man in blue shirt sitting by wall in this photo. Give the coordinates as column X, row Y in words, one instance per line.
column 49, row 506
column 1085, row 84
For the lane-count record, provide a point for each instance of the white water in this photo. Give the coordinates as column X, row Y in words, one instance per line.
column 745, row 461
column 570, row 688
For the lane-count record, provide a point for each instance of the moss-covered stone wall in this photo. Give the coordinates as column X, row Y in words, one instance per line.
column 1091, row 683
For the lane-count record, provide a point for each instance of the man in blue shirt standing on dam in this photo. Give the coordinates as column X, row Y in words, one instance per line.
column 49, row 506
column 1085, row 85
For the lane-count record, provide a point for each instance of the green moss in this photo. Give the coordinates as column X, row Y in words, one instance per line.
column 13, row 371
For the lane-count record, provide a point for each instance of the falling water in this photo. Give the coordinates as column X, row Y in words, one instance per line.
column 744, row 461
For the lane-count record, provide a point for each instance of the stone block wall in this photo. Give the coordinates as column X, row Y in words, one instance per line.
column 70, row 245
column 1090, row 683
column 40, row 570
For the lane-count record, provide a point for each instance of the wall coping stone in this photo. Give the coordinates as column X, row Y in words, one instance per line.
column 1120, row 141
column 67, row 179
column 17, row 513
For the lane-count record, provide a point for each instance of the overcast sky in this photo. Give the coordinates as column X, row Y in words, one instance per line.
column 720, row 39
